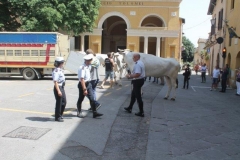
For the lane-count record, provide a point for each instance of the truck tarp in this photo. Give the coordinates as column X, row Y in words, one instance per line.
column 74, row 60
column 33, row 38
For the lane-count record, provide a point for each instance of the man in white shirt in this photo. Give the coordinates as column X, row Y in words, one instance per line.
column 215, row 77
column 137, row 77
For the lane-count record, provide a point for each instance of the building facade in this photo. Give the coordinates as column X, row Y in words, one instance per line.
column 148, row 26
column 232, row 41
column 199, row 55
column 224, row 35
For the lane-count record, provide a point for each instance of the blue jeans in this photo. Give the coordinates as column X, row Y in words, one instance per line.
column 89, row 96
column 94, row 85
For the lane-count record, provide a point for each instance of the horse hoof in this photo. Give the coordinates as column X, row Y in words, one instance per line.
column 172, row 99
column 165, row 98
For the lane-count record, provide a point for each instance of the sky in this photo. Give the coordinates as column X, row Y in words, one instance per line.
column 197, row 22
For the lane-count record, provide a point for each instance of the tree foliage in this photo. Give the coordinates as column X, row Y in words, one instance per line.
column 8, row 18
column 188, row 52
column 73, row 16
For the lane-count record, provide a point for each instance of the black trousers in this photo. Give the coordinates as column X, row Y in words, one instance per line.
column 186, row 80
column 224, row 85
column 203, row 76
column 136, row 94
column 61, row 102
column 90, row 96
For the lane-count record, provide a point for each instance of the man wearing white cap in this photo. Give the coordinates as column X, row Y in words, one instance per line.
column 85, row 87
column 94, row 76
column 59, row 92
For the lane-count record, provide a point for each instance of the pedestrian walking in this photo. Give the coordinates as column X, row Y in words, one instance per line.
column 224, row 76
column 94, row 76
column 203, row 73
column 109, row 64
column 238, row 82
column 58, row 89
column 196, row 68
column 85, row 87
column 137, row 77
column 186, row 75
column 215, row 78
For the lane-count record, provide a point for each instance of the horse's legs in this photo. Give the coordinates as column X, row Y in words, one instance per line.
column 120, row 77
column 168, row 80
column 174, row 85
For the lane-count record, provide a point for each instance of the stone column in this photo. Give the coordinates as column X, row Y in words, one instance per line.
column 158, row 47
column 146, row 45
column 82, row 43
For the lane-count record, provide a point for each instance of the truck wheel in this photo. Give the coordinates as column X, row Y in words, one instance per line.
column 29, row 74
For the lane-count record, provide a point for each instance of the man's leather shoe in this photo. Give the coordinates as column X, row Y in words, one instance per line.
column 95, row 114
column 140, row 114
column 59, row 119
column 128, row 110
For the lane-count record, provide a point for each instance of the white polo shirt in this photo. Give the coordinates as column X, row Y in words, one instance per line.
column 84, row 72
column 139, row 68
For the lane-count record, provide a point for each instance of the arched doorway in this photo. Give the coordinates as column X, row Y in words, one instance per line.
column 114, row 34
column 149, row 22
column 229, row 59
column 218, row 60
column 238, row 60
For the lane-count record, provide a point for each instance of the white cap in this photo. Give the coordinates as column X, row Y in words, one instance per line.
column 59, row 59
column 88, row 57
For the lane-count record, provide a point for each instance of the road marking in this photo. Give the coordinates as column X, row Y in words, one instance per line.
column 107, row 94
column 119, row 88
column 25, row 95
column 24, row 111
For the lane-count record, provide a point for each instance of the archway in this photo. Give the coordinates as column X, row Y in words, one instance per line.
column 150, row 21
column 229, row 59
column 114, row 34
column 238, row 60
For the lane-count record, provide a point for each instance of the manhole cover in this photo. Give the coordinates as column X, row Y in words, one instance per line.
column 31, row 133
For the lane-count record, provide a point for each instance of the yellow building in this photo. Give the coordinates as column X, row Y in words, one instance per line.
column 148, row 26
column 232, row 42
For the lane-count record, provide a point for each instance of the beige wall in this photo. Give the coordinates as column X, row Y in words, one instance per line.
column 133, row 13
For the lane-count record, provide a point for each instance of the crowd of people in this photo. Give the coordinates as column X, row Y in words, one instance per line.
column 88, row 79
column 218, row 76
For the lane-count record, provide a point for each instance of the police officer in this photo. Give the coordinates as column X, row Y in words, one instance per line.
column 59, row 92
column 85, row 87
column 137, row 77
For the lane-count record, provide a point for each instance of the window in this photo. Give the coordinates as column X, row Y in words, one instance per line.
column 220, row 19
column 42, row 53
column 9, row 52
column 52, row 53
column 2, row 52
column 34, row 52
column 230, row 41
column 26, row 53
column 18, row 53
column 232, row 4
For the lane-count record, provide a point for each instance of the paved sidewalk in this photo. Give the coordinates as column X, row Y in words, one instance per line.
column 199, row 125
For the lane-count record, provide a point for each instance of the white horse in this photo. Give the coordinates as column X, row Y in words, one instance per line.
column 156, row 67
